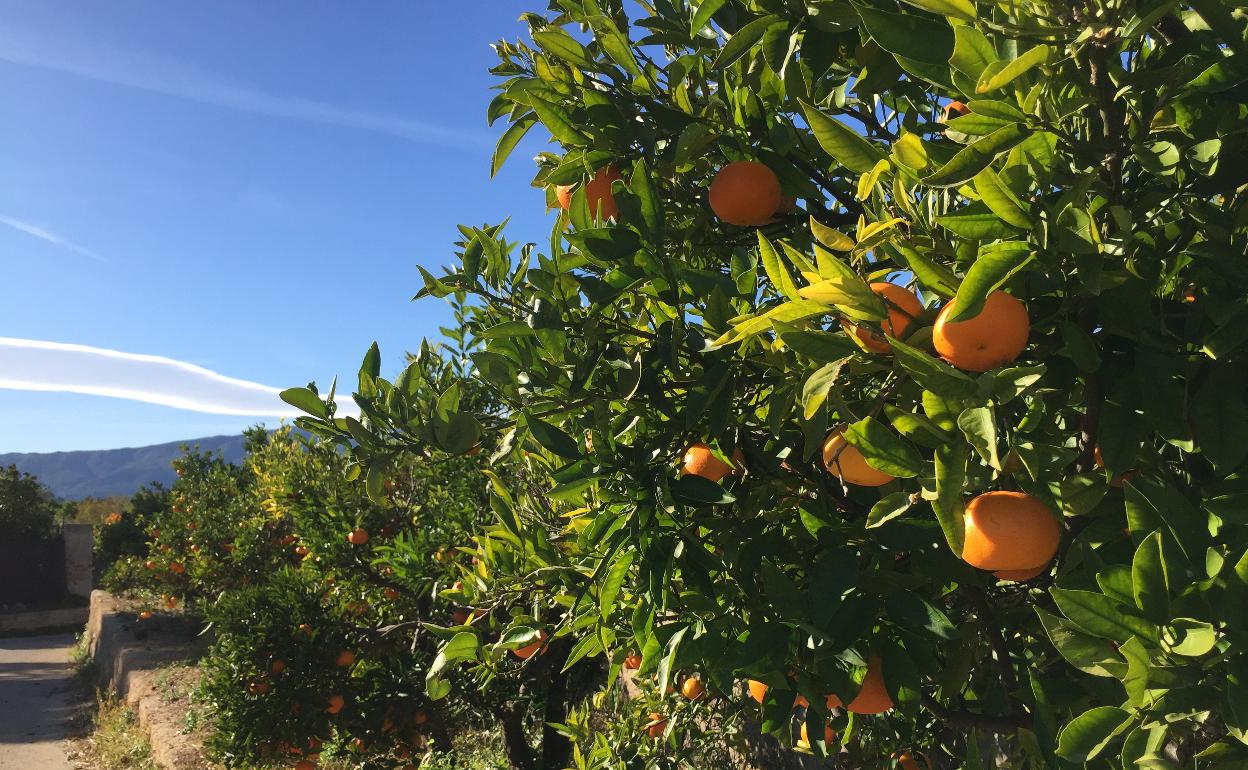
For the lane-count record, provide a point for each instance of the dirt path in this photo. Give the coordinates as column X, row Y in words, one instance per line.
column 38, row 696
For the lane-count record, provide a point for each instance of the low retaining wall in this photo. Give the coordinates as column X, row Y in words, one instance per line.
column 42, row 621
column 131, row 655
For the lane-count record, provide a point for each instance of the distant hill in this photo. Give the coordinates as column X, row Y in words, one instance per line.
column 75, row 475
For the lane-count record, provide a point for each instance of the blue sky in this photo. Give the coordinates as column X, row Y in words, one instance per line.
column 245, row 187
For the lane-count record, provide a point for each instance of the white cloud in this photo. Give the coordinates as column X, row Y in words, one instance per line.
column 170, row 77
column 44, row 234
column 56, row 366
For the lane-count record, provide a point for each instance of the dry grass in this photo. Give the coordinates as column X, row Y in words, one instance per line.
column 117, row 742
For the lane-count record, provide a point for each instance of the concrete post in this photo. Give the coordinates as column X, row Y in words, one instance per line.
column 79, row 570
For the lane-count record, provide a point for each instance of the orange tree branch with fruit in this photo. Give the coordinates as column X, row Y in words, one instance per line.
column 886, row 356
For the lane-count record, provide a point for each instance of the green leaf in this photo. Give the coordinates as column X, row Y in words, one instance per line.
column 993, row 267
column 976, row 222
column 882, row 449
column 642, row 185
column 975, row 157
column 917, row 615
column 552, row 438
column 557, row 42
column 959, row 9
column 833, row 239
column 557, row 120
column 979, row 425
column 776, row 271
column 1083, row 651
column 305, row 399
column 1189, row 637
column 888, row 508
column 972, row 52
column 508, row 141
column 931, row 373
column 1099, row 615
column 744, row 39
column 1088, row 734
column 819, row 345
column 846, row 146
column 908, row 34
column 1149, row 581
column 697, row 491
column 950, row 484
column 931, row 274
column 1000, row 199
column 815, row 389
column 706, row 9
column 1220, row 420
column 994, row 78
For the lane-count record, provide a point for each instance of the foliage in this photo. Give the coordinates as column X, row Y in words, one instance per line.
column 27, row 508
column 1079, row 157
column 121, row 527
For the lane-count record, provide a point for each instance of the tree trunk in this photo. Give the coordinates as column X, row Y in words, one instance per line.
column 555, row 747
column 519, row 754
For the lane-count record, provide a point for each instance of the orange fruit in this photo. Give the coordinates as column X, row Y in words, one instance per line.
column 334, row 704
column 829, row 735
column 344, row 659
column 1021, row 575
column 177, row 568
column 258, row 688
column 758, row 691
column 459, row 616
column 788, row 204
column 277, row 666
column 145, row 615
column 304, row 628
column 994, row 337
column 1009, row 531
column 907, row 761
column 527, row 651
column 953, row 110
column 149, row 564
column 745, row 193
column 305, row 764
column 658, row 723
column 301, row 550
column 844, row 461
column 872, row 697
column 692, row 688
column 903, row 308
column 597, row 193
column 358, row 536
column 390, row 593
column 633, row 661
column 699, row 460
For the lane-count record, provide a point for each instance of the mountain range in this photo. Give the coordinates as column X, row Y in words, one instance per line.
column 105, row 472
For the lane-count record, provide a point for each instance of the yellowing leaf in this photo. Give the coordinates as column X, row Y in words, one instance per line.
column 866, row 183
column 910, row 152
column 833, row 239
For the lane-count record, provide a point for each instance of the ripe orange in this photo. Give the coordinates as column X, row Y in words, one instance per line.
column 953, row 110
column 304, row 628
column 829, row 735
column 344, row 659
column 149, row 564
column 745, row 193
column 305, row 764
column 692, row 688
column 907, row 761
column 301, row 550
column 1009, row 531
column 700, row 461
column 658, row 723
column 358, row 536
column 176, row 568
column 145, row 615
column 758, row 691
column 277, row 666
column 788, row 204
column 1021, row 575
column 459, row 616
column 597, row 193
column 258, row 688
column 420, row 717
column 527, row 651
column 845, row 462
column 633, row 661
column 334, row 704
column 390, row 593
column 994, row 337
column 872, row 697
column 903, row 308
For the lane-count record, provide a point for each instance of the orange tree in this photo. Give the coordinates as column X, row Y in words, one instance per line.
column 962, row 431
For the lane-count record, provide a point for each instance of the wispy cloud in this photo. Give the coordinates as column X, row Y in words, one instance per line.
column 57, row 366
column 173, row 78
column 45, row 234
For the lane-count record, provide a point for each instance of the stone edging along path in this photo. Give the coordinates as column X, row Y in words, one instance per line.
column 132, row 659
